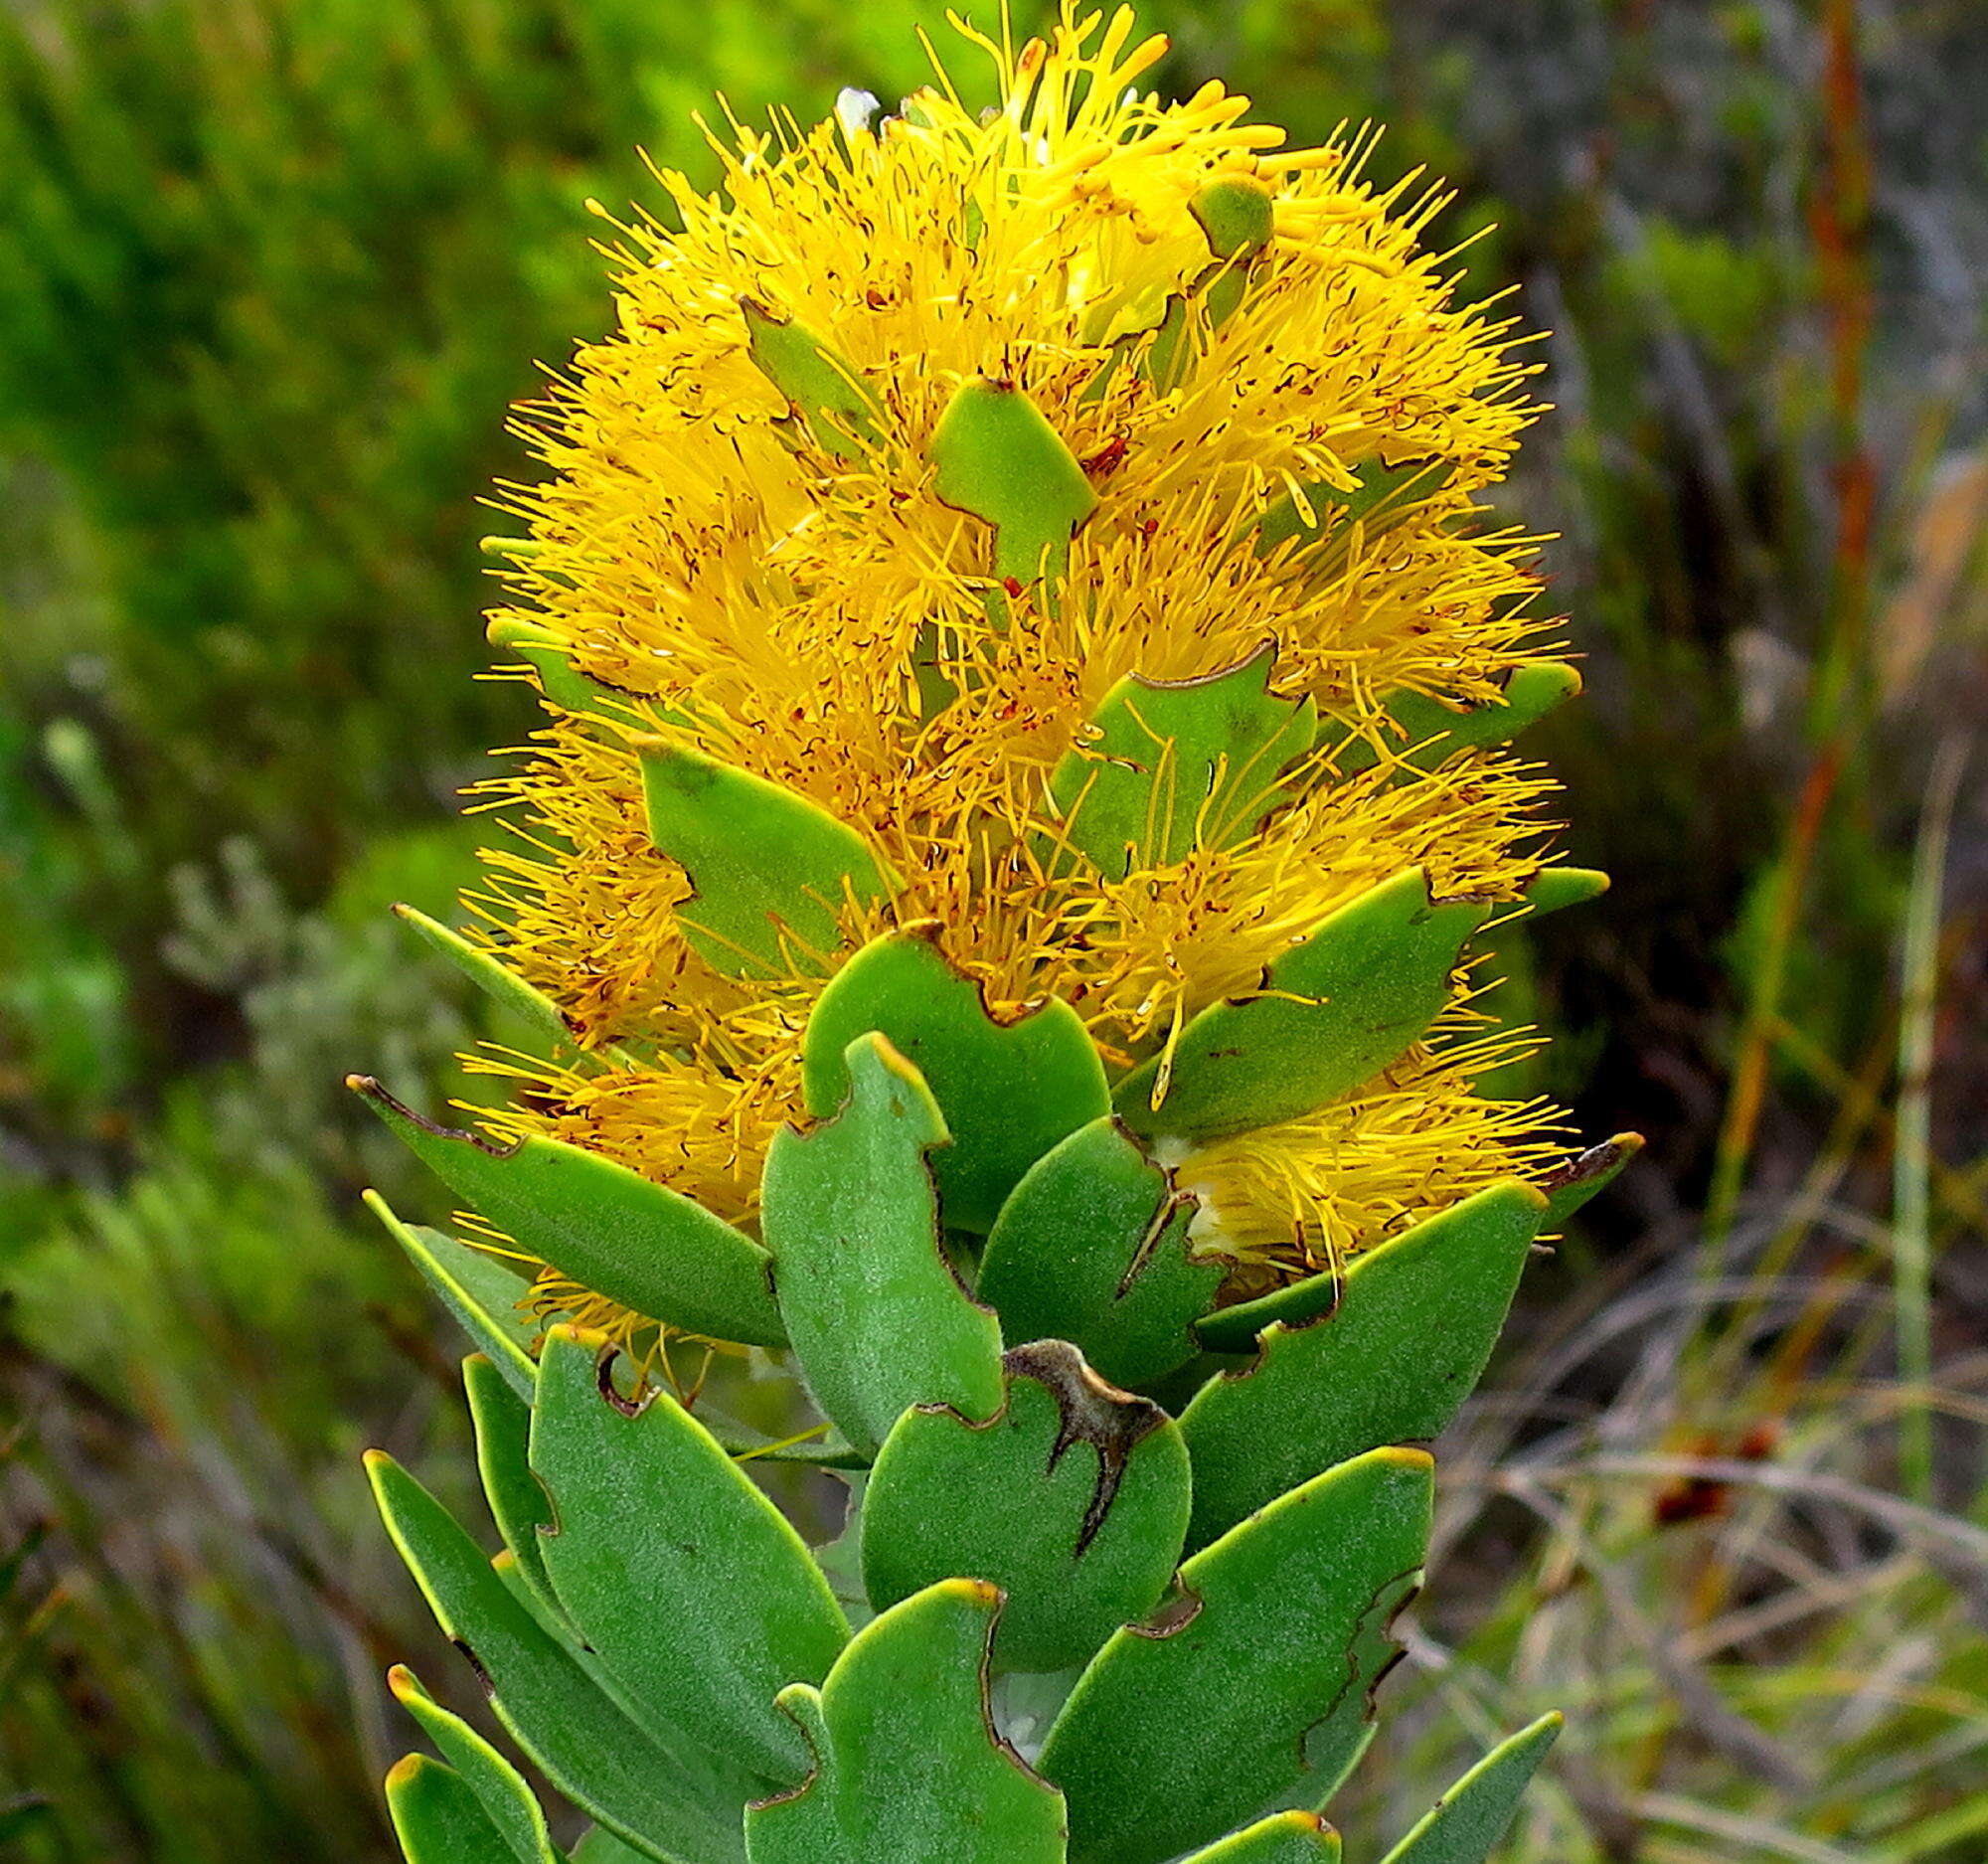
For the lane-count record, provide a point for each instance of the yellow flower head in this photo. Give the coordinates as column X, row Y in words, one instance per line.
column 1244, row 432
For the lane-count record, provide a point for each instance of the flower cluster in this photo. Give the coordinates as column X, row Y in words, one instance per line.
column 1266, row 430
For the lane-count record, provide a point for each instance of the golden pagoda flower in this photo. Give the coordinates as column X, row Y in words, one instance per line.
column 1257, row 431
column 1030, row 677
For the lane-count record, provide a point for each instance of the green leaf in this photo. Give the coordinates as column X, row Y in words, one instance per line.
column 437, row 1819
column 518, row 1504
column 476, row 1289
column 1330, row 1014
column 999, row 460
column 877, row 1317
column 598, row 1845
column 821, row 388
column 509, row 1804
column 688, row 1584
column 1093, row 1248
column 1236, row 215
column 1409, row 1337
column 1571, row 1186
column 482, row 970
column 1282, row 1838
column 1554, row 887
column 1239, row 219
column 608, row 1228
column 1429, row 732
column 1255, row 1679
column 1181, row 765
column 1073, row 1500
column 559, row 680
column 1465, row 1824
column 604, row 1762
column 908, row 1767
column 771, row 872
column 1380, row 499
column 1007, row 1090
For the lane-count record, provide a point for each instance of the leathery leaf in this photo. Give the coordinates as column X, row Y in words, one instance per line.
column 821, row 388
column 877, row 1314
column 1379, row 498
column 1425, row 733
column 1587, row 1175
column 561, row 681
column 1554, row 889
column 1466, row 1823
column 1177, row 766
column 518, row 1503
column 998, row 460
column 688, row 1584
column 1282, row 1838
column 437, row 1819
column 1008, row 1090
column 771, row 872
column 509, row 1804
column 1255, row 1678
column 1073, row 1500
column 481, row 967
column 1331, row 1013
column 1238, row 217
column 908, row 1769
column 475, row 1287
column 608, row 1228
column 1383, row 1354
column 1093, row 1248
column 580, row 1740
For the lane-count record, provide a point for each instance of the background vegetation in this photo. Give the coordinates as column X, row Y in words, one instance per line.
column 269, row 273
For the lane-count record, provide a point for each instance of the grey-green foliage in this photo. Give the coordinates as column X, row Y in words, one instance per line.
column 306, row 986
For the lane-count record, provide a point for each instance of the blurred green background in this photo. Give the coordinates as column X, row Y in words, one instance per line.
column 271, row 271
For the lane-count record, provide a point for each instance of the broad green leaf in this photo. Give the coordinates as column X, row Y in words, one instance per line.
column 1073, row 1500
column 1239, row 218
column 1255, row 1678
column 488, row 975
column 821, row 388
column 1180, row 765
column 598, row 1845
column 1007, row 1090
column 1387, row 1362
column 1425, row 733
column 671, row 1806
column 1282, row 1838
column 1381, row 498
column 561, row 681
column 476, row 1289
column 1330, row 1014
column 771, row 872
column 999, row 460
column 909, row 1770
column 686, row 1582
column 1587, row 1175
column 518, row 1503
column 1093, row 1248
column 877, row 1315
column 507, row 1802
column 611, row 1230
column 1465, row 1824
column 1556, row 888
column 1236, row 215
column 437, row 1819
column 1166, row 358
